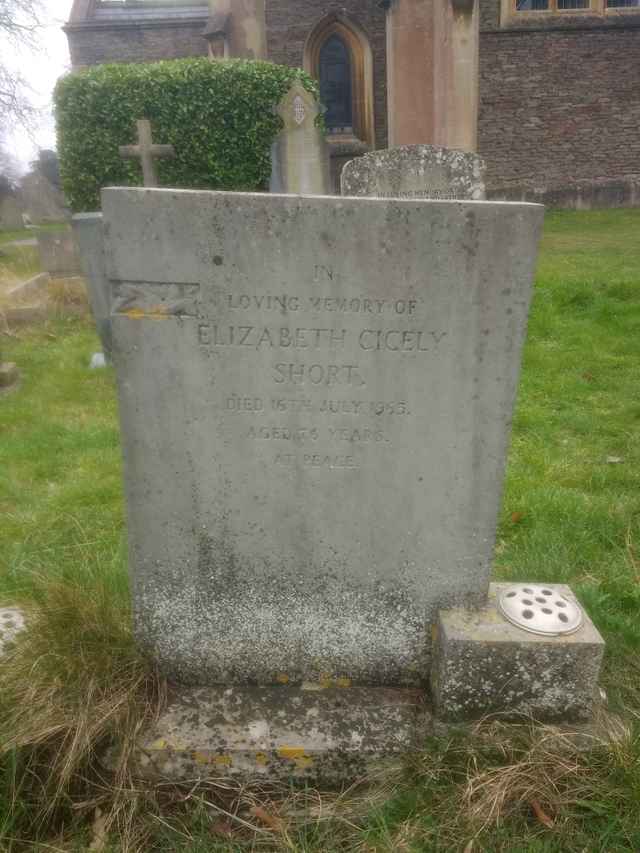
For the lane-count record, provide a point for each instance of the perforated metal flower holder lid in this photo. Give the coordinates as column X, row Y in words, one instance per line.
column 540, row 610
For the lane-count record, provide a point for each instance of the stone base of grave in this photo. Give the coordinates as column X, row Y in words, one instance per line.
column 485, row 665
column 283, row 732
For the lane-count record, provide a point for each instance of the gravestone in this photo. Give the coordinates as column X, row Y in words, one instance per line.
column 315, row 400
column 87, row 230
column 315, row 397
column 415, row 172
column 58, row 253
column 147, row 152
column 299, row 156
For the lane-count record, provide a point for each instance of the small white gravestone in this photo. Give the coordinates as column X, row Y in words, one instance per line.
column 300, row 160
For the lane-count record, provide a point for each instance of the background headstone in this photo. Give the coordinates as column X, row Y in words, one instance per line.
column 10, row 211
column 87, row 230
column 41, row 200
column 315, row 396
column 147, row 152
column 299, row 156
column 415, row 172
column 58, row 253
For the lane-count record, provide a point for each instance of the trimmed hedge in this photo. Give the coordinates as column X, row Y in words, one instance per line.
column 219, row 116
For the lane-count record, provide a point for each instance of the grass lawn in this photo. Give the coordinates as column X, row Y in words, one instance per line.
column 571, row 514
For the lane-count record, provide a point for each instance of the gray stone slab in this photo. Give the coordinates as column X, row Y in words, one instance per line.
column 87, row 230
column 309, row 732
column 315, row 396
column 58, row 253
column 34, row 286
column 484, row 665
column 415, row 172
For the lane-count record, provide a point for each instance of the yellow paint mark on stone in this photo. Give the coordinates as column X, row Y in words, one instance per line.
column 157, row 312
column 325, row 681
column 202, row 758
column 343, row 682
column 262, row 759
column 159, row 744
column 434, row 633
column 297, row 755
column 223, row 760
column 291, row 752
column 283, row 678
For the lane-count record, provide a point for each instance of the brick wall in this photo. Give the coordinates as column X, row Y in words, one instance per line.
column 90, row 45
column 290, row 23
column 560, row 106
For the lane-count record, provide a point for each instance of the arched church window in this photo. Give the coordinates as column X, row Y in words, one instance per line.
column 338, row 54
column 335, row 85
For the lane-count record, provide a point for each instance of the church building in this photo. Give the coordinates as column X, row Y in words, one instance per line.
column 547, row 91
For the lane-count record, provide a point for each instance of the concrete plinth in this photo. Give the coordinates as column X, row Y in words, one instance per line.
column 307, row 732
column 484, row 665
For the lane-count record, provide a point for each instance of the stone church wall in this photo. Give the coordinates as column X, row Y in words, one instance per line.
column 133, row 42
column 560, row 112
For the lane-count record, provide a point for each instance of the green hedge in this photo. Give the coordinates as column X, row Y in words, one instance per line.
column 219, row 116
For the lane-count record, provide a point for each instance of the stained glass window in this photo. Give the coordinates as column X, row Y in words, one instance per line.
column 335, row 85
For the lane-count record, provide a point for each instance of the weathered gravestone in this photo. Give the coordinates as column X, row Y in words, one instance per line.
column 147, row 152
column 299, row 156
column 58, row 253
column 415, row 172
column 315, row 397
column 87, row 230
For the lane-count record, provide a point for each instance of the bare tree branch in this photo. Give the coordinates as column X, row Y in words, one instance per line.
column 19, row 26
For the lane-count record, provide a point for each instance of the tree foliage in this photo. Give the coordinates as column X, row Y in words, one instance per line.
column 219, row 116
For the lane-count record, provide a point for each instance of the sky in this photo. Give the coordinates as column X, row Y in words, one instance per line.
column 41, row 69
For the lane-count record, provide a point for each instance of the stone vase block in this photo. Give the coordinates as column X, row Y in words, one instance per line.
column 483, row 665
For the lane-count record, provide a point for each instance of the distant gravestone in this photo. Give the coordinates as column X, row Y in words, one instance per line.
column 58, row 253
column 87, row 229
column 299, row 158
column 315, row 395
column 10, row 211
column 416, row 172
column 147, row 152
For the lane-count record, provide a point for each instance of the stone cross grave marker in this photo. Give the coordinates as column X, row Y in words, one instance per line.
column 299, row 157
column 147, row 151
column 415, row 172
